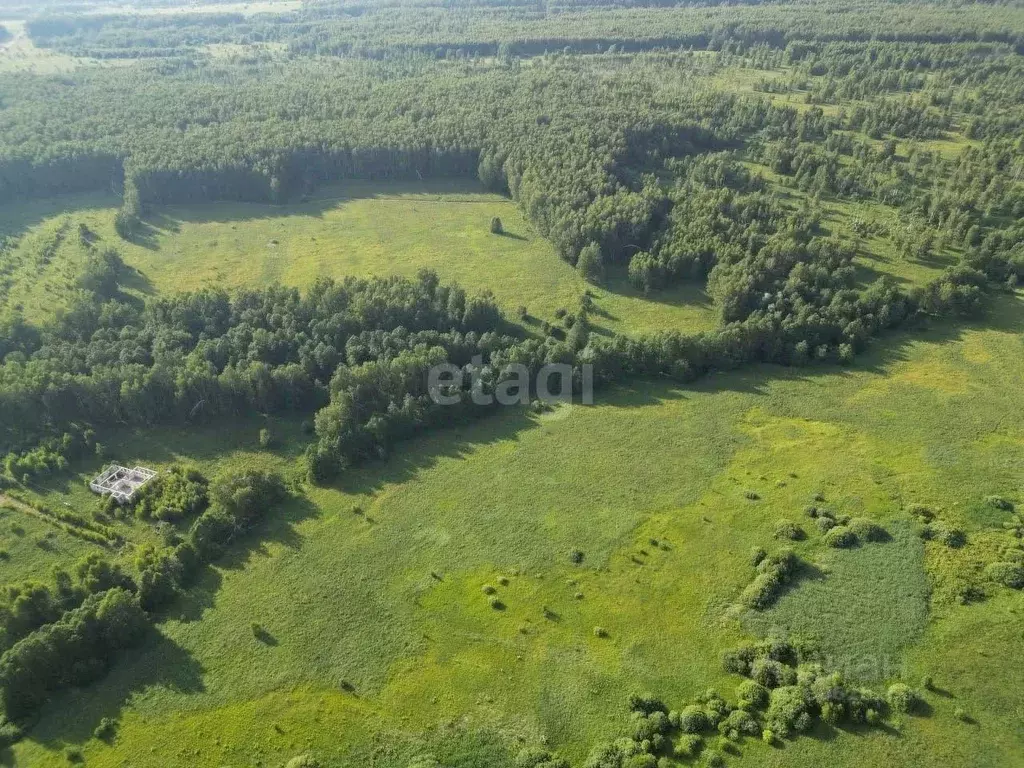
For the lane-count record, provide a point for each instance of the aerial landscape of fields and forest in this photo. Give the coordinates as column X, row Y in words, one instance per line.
column 775, row 516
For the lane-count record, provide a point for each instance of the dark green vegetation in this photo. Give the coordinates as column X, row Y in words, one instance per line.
column 332, row 566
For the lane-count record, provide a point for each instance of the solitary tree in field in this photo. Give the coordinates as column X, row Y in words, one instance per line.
column 496, row 227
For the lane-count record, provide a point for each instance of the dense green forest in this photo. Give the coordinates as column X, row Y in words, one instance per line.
column 653, row 144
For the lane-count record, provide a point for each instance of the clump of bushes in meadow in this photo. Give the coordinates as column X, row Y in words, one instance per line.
column 950, row 536
column 174, row 495
column 841, row 537
column 52, row 455
column 1008, row 574
column 792, row 694
column 787, row 529
column 773, row 573
column 903, row 698
column 29, row 605
column 868, row 530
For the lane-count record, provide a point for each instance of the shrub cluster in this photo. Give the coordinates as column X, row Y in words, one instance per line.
column 792, row 692
column 27, row 606
column 50, row 455
column 791, row 695
column 773, row 573
column 841, row 537
column 903, row 698
column 1008, row 574
column 787, row 529
column 174, row 495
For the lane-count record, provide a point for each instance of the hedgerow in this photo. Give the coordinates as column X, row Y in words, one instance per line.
column 773, row 573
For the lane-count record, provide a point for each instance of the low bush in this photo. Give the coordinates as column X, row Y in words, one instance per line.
column 1008, row 574
column 787, row 529
column 841, row 537
column 687, row 745
column 647, row 704
column 742, row 722
column 868, row 530
column 921, row 512
column 106, row 730
column 738, row 660
column 713, row 758
column 999, row 503
column 903, row 698
column 788, row 711
column 954, row 538
column 771, row 673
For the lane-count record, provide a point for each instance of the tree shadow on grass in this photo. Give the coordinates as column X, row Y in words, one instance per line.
column 71, row 717
column 18, row 217
column 326, row 197
column 460, row 438
column 278, row 527
column 134, row 280
column 685, row 293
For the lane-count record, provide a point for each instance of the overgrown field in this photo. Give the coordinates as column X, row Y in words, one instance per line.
column 652, row 485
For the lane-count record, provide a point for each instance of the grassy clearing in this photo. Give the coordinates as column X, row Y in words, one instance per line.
column 359, row 229
column 864, row 607
column 19, row 54
column 351, row 597
column 34, row 547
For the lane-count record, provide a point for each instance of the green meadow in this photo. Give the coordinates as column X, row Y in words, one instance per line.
column 359, row 229
column 364, row 229
column 371, row 593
